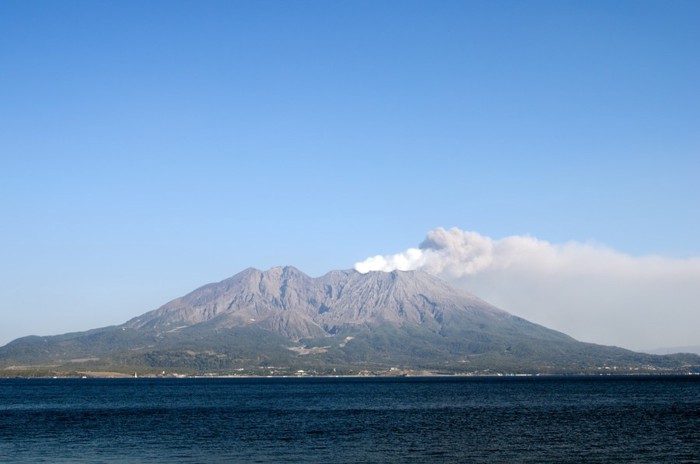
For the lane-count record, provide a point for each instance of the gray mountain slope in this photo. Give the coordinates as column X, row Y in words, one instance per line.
column 288, row 302
column 343, row 321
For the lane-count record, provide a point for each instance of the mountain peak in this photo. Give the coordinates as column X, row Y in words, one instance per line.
column 289, row 302
column 283, row 270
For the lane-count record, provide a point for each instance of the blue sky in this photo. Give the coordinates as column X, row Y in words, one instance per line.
column 151, row 147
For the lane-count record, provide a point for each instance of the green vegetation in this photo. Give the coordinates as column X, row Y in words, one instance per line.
column 384, row 350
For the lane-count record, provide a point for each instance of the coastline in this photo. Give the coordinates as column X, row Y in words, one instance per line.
column 123, row 376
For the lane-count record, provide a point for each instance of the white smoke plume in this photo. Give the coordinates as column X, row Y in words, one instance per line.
column 585, row 290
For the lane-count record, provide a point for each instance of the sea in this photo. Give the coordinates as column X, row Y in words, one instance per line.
column 603, row 419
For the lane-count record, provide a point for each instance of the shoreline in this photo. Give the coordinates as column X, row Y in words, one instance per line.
column 120, row 376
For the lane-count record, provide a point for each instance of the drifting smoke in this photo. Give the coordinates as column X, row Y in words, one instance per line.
column 590, row 292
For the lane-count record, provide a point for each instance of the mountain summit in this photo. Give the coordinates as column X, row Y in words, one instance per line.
column 289, row 303
column 282, row 321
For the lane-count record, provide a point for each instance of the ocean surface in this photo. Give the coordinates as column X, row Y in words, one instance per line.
column 419, row 420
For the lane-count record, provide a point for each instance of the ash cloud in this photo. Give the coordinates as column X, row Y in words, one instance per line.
column 588, row 291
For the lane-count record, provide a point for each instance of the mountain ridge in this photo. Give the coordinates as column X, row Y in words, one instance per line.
column 252, row 295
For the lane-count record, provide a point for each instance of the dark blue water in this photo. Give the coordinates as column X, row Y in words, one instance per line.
column 645, row 420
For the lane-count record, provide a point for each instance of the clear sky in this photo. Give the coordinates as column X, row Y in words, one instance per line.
column 150, row 147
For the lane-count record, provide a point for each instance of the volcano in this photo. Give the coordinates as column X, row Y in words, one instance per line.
column 283, row 322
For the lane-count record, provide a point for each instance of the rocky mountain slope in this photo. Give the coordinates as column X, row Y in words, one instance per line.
column 291, row 304
column 282, row 321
